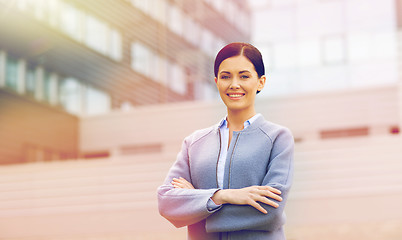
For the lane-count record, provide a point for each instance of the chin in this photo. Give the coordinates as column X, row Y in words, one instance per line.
column 236, row 107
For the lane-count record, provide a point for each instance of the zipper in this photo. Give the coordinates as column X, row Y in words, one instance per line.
column 231, row 157
column 219, row 154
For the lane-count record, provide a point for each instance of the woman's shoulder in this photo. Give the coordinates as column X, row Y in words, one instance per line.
column 200, row 134
column 273, row 130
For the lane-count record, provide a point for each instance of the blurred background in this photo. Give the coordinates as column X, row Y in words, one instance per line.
column 97, row 95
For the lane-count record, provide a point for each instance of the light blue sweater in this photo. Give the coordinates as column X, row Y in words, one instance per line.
column 261, row 154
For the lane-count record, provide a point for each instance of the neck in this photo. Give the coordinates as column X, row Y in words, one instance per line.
column 236, row 118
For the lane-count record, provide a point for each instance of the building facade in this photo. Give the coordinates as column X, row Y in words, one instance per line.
column 77, row 58
column 314, row 46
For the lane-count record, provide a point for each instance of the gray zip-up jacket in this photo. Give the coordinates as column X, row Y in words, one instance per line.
column 261, row 154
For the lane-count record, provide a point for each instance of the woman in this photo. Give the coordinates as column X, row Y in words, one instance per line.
column 231, row 181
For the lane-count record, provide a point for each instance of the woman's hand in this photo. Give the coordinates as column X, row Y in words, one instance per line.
column 249, row 196
column 243, row 196
column 181, row 183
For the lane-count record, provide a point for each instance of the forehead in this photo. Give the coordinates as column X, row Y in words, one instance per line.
column 236, row 64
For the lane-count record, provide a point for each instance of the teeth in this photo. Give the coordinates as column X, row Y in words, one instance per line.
column 235, row 95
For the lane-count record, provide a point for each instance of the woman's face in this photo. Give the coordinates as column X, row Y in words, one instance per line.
column 238, row 82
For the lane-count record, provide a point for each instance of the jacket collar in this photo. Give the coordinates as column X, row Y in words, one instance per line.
column 255, row 122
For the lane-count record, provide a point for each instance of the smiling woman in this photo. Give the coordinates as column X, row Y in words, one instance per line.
column 238, row 83
column 224, row 189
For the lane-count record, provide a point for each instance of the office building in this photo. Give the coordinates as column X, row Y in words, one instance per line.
column 315, row 46
column 62, row 59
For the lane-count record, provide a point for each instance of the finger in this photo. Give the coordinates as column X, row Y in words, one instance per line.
column 176, row 180
column 183, row 184
column 183, row 180
column 187, row 183
column 267, row 201
column 257, row 206
column 180, row 180
column 271, row 195
column 271, row 189
column 177, row 185
column 267, row 193
column 274, row 190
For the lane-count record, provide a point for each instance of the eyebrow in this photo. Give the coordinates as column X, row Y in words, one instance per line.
column 244, row 71
column 224, row 72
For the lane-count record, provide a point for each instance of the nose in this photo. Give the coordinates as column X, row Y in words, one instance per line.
column 235, row 84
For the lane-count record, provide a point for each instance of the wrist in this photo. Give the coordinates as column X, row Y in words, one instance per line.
column 218, row 197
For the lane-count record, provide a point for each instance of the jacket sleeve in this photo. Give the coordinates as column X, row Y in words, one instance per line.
column 279, row 175
column 183, row 207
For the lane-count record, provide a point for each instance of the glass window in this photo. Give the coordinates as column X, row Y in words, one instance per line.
column 152, row 8
column 384, row 45
column 96, row 34
column 159, row 11
column 334, row 50
column 232, row 12
column 142, row 5
column 192, row 30
column 97, row 101
column 309, row 53
column 26, row 4
column 155, row 68
column 175, row 19
column 284, row 56
column 40, row 9
column 282, row 3
column 332, row 17
column 205, row 90
column 47, row 87
column 207, row 41
column 267, row 54
column 358, row 47
column 53, row 11
column 187, row 24
column 151, row 63
column 243, row 21
column 11, row 72
column 69, row 20
column 177, row 79
column 30, row 81
column 141, row 58
column 218, row 4
column 373, row 15
column 162, row 70
column 115, row 45
column 219, row 43
column 70, row 90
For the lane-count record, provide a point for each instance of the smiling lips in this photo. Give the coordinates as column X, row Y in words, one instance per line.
column 235, row 95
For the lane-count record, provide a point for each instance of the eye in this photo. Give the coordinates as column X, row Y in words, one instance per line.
column 224, row 77
column 244, row 76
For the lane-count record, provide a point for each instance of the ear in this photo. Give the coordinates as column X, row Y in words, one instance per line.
column 261, row 82
column 216, row 81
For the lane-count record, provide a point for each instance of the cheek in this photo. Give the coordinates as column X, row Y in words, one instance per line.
column 222, row 86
